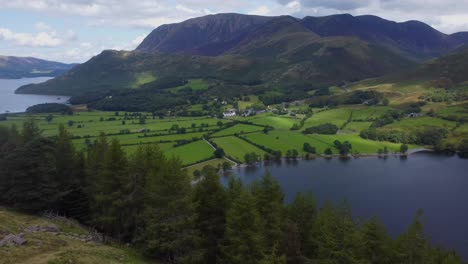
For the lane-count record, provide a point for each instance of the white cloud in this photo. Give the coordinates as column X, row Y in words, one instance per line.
column 41, row 39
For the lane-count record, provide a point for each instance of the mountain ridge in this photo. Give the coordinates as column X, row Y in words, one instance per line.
column 13, row 67
column 413, row 39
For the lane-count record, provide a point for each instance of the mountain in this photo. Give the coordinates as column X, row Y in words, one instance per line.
column 209, row 35
column 452, row 67
column 22, row 67
column 311, row 65
column 461, row 36
column 219, row 34
column 412, row 39
column 269, row 53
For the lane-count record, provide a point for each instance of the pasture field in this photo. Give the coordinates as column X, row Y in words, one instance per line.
column 337, row 116
column 237, row 129
column 192, row 153
column 246, row 104
column 360, row 145
column 284, row 141
column 369, row 113
column 199, row 166
column 236, row 148
column 414, row 124
column 126, row 127
column 278, row 122
column 356, row 127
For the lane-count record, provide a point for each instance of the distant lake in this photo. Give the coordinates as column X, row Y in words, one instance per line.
column 11, row 102
column 391, row 189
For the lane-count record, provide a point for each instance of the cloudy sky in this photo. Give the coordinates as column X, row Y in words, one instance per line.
column 76, row 30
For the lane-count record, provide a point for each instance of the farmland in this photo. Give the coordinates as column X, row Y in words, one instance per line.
column 237, row 136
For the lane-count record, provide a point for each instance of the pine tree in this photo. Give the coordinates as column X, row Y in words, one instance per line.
column 301, row 214
column 412, row 246
column 29, row 174
column 335, row 235
column 244, row 242
column 30, row 130
column 146, row 160
column 210, row 200
column 376, row 242
column 168, row 229
column 269, row 200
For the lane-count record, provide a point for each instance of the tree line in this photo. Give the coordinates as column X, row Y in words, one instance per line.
column 147, row 200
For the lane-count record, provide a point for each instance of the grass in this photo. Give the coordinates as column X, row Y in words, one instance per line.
column 337, row 116
column 214, row 162
column 278, row 122
column 192, row 153
column 356, row 127
column 195, row 84
column 284, row 141
column 49, row 248
column 237, row 129
column 236, row 148
column 246, row 104
column 142, row 78
column 414, row 124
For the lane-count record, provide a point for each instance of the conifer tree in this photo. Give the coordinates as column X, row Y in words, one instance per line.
column 168, row 230
column 210, row 206
column 269, row 200
column 244, row 241
column 301, row 214
column 412, row 246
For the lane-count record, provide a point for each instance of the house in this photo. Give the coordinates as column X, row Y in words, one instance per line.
column 413, row 115
column 230, row 112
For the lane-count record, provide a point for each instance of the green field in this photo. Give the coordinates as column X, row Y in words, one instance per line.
column 278, row 122
column 237, row 129
column 284, row 141
column 413, row 124
column 236, row 147
column 192, row 153
column 356, row 127
column 337, row 116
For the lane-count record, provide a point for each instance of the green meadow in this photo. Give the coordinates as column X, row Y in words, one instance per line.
column 183, row 136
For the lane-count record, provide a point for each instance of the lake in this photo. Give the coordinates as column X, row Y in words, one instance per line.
column 13, row 103
column 392, row 189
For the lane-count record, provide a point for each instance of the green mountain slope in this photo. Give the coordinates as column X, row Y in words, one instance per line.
column 23, row 67
column 281, row 54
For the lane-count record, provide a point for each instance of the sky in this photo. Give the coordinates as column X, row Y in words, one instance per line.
column 75, row 30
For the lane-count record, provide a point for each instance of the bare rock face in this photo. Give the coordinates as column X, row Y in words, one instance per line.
column 13, row 240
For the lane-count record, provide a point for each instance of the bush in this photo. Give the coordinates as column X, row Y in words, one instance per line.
column 308, row 148
column 49, row 108
column 327, row 129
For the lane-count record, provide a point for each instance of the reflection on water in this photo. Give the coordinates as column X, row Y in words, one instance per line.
column 392, row 188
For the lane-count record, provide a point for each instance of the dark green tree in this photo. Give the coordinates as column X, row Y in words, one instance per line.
column 244, row 242
column 210, row 206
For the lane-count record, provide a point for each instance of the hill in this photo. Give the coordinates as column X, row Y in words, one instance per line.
column 412, row 39
column 65, row 244
column 208, row 35
column 280, row 54
column 24, row 67
column 218, row 34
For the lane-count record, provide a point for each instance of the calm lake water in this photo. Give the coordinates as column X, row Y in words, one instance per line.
column 392, row 189
column 11, row 102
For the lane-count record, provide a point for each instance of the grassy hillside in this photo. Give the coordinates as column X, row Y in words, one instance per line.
column 50, row 248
